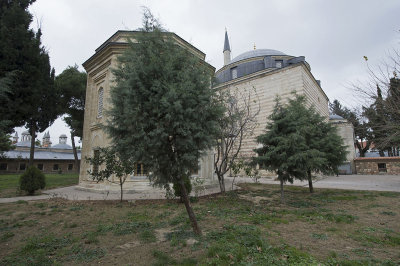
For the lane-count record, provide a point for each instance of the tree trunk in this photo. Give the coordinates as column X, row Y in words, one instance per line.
column 233, row 182
column 32, row 151
column 77, row 165
column 310, row 185
column 122, row 191
column 189, row 209
column 221, row 182
column 282, row 195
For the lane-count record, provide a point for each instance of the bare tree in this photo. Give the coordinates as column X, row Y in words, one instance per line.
column 383, row 87
column 242, row 108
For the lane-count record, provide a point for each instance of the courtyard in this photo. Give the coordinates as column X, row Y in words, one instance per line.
column 246, row 226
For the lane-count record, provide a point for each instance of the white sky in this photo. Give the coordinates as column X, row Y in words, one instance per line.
column 332, row 35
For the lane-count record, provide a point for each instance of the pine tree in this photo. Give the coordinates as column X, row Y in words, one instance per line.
column 280, row 146
column 298, row 142
column 324, row 150
column 15, row 40
column 163, row 110
column 31, row 99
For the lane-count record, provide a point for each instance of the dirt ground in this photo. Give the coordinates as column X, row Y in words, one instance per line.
column 331, row 226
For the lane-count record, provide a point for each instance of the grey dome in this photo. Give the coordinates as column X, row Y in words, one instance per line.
column 25, row 133
column 23, row 144
column 63, row 136
column 336, row 117
column 256, row 53
column 62, row 146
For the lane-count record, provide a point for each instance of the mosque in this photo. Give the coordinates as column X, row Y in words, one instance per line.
column 270, row 72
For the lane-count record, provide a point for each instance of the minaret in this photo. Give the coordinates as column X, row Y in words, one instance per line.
column 63, row 139
column 15, row 138
column 227, row 50
column 46, row 140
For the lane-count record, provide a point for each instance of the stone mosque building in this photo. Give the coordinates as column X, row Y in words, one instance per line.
column 270, row 72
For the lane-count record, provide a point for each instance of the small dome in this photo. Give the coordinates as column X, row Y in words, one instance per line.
column 63, row 136
column 62, row 146
column 336, row 117
column 25, row 133
column 256, row 53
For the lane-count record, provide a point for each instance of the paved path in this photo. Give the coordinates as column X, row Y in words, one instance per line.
column 353, row 182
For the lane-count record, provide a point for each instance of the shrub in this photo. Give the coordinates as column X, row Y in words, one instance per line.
column 177, row 187
column 32, row 180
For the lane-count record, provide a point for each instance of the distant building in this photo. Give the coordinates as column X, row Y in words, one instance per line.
column 378, row 165
column 346, row 131
column 49, row 159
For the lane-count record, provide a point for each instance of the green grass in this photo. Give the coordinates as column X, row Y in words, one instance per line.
column 9, row 183
column 329, row 227
column 237, row 244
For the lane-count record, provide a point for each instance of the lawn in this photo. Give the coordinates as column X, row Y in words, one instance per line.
column 9, row 183
column 246, row 227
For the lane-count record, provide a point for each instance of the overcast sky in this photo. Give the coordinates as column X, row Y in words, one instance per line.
column 332, row 35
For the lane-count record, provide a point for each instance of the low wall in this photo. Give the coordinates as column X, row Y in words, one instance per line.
column 377, row 165
column 46, row 166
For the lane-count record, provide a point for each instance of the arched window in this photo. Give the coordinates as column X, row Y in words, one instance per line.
column 100, row 103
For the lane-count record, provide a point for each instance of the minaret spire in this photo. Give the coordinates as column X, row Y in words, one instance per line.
column 227, row 50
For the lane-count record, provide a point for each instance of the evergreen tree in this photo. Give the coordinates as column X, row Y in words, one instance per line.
column 280, row 146
column 71, row 84
column 324, row 150
column 15, row 41
column 163, row 110
column 298, row 141
column 41, row 99
column 392, row 107
column 5, row 139
column 31, row 100
column 377, row 122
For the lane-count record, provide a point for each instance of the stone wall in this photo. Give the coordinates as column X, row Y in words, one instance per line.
column 17, row 166
column 378, row 165
column 270, row 84
column 99, row 69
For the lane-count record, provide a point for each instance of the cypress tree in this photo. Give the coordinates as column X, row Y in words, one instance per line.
column 31, row 99
column 164, row 113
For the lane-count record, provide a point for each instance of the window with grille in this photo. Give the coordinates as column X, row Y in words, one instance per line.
column 40, row 166
column 100, row 103
column 382, row 167
column 70, row 167
column 22, row 166
column 3, row 166
column 139, row 169
column 55, row 167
